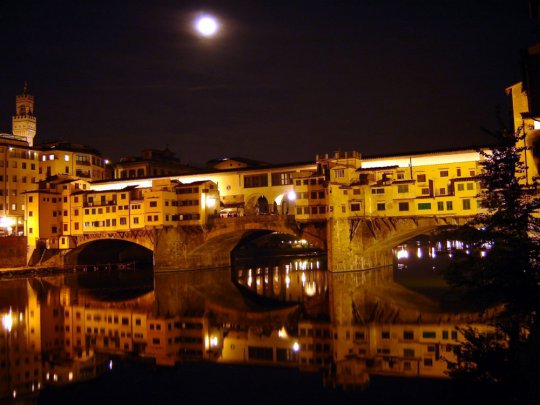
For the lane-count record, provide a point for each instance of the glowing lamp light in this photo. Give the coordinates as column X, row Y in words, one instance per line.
column 110, row 365
column 282, row 333
column 70, row 376
column 210, row 202
column 291, row 196
column 296, row 347
column 402, row 254
column 206, row 25
column 214, row 341
column 310, row 288
column 7, row 222
column 7, row 321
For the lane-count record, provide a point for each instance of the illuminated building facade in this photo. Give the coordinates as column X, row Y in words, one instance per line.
column 339, row 186
column 19, row 170
column 64, row 206
column 527, row 121
column 73, row 160
column 23, row 164
column 424, row 184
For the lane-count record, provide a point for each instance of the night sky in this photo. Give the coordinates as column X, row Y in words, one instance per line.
column 281, row 82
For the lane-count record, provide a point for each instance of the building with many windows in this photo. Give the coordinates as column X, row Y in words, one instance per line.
column 23, row 165
column 72, row 159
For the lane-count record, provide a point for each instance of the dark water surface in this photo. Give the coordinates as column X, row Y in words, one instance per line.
column 278, row 330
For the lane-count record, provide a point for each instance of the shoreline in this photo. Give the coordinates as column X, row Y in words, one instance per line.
column 36, row 271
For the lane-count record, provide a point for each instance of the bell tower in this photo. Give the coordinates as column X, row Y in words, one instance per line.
column 24, row 120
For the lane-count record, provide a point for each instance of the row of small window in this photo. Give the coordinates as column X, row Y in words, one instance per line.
column 15, row 179
column 318, row 347
column 409, row 335
column 79, row 159
column 465, row 204
column 404, row 206
column 463, row 186
column 106, row 223
column 15, row 165
column 54, row 213
column 278, row 179
column 110, row 319
column 99, row 211
column 103, row 199
column 13, row 207
column 133, row 173
column 13, row 193
column 313, row 209
column 314, row 332
column 102, row 331
column 311, row 182
column 421, row 178
column 186, row 325
column 187, row 190
column 314, row 195
column 174, row 203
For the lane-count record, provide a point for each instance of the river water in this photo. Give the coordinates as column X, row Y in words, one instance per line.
column 279, row 329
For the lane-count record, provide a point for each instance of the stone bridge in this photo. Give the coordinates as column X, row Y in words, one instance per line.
column 352, row 243
column 208, row 246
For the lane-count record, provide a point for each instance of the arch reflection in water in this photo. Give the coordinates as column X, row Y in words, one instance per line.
column 417, row 249
column 286, row 279
column 288, row 313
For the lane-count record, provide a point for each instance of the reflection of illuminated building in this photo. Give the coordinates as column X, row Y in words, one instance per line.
column 84, row 366
column 179, row 338
column 255, row 346
column 316, row 344
column 419, row 350
column 20, row 345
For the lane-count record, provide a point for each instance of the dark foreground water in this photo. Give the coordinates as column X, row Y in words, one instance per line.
column 277, row 330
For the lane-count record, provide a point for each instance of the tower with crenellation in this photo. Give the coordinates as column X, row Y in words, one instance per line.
column 24, row 120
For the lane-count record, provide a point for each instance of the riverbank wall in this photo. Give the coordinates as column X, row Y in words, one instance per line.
column 13, row 251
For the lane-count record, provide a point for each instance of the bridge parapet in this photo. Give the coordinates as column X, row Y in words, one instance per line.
column 274, row 223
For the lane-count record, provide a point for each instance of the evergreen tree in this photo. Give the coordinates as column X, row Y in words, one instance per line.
column 507, row 277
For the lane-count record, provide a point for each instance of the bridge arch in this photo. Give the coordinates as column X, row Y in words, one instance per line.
column 109, row 251
column 143, row 237
column 212, row 245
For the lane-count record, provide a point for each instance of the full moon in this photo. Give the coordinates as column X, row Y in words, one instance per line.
column 206, row 25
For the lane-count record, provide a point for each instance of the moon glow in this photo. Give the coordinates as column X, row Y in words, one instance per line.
column 206, row 26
